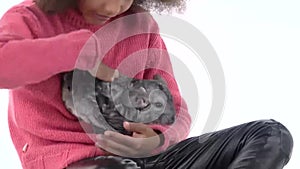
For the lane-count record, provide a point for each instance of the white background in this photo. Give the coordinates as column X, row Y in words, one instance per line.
column 257, row 43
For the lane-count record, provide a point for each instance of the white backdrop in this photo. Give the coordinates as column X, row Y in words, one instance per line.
column 258, row 44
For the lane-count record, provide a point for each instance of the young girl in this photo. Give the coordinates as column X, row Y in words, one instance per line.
column 41, row 39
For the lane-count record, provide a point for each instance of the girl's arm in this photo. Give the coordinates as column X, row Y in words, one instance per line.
column 26, row 59
column 160, row 60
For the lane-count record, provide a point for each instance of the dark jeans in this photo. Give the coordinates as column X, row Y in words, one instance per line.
column 264, row 144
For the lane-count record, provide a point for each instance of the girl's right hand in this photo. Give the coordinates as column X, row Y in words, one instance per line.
column 103, row 72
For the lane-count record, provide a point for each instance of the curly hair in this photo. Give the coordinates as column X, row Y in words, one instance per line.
column 158, row 6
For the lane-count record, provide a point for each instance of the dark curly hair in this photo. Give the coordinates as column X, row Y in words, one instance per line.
column 159, row 6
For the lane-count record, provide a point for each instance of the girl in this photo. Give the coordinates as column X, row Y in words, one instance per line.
column 41, row 39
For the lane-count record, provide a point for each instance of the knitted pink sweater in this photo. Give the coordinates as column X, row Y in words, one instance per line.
column 35, row 49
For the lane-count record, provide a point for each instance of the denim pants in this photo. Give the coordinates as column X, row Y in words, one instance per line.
column 263, row 144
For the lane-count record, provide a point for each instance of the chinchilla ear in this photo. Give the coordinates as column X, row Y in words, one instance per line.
column 160, row 79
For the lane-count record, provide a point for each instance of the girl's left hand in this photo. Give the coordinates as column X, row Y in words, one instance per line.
column 143, row 141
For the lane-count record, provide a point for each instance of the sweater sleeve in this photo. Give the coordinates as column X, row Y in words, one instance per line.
column 159, row 63
column 27, row 59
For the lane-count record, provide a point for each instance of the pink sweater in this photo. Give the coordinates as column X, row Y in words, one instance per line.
column 36, row 48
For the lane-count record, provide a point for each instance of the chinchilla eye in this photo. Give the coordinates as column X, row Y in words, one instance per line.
column 158, row 104
column 133, row 82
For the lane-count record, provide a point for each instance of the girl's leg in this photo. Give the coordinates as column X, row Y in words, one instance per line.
column 105, row 162
column 264, row 144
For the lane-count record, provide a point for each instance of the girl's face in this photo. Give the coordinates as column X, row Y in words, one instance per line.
column 97, row 12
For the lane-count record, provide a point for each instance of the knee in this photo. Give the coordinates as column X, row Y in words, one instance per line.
column 279, row 137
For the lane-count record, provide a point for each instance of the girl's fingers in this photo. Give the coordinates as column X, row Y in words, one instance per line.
column 114, row 147
column 121, row 139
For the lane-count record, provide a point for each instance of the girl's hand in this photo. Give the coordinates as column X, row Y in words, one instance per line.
column 103, row 72
column 143, row 141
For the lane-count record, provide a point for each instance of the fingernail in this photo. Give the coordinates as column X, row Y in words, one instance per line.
column 126, row 123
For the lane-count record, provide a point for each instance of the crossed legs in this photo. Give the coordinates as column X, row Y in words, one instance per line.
column 264, row 144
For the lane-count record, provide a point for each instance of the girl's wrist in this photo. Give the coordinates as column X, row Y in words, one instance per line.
column 161, row 137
